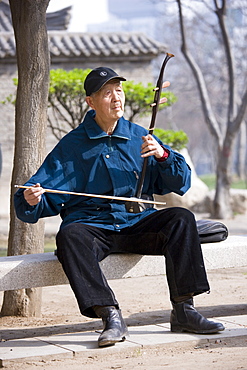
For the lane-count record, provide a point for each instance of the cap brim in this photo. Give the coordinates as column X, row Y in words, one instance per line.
column 110, row 79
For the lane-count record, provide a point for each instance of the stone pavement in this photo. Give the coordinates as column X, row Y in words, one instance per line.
column 84, row 344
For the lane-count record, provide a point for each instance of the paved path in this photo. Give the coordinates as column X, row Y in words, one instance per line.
column 85, row 344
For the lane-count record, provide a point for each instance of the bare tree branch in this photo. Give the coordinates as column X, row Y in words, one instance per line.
column 221, row 12
column 206, row 105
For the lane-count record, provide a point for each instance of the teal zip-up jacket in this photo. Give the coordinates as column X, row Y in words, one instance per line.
column 90, row 161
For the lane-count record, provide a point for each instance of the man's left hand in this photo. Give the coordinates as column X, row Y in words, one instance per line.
column 150, row 147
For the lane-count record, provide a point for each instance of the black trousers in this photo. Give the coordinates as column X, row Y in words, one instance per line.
column 170, row 232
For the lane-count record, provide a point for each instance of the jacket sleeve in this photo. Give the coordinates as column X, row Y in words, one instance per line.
column 49, row 175
column 31, row 214
column 173, row 174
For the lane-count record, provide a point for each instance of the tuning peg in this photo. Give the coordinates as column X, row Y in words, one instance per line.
column 165, row 84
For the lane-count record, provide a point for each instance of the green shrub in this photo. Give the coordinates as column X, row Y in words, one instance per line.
column 177, row 140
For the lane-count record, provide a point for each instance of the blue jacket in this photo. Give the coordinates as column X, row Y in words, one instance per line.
column 90, row 161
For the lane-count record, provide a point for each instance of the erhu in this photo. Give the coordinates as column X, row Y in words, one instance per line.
column 137, row 207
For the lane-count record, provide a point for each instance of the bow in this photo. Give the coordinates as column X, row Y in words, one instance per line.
column 111, row 197
column 155, row 106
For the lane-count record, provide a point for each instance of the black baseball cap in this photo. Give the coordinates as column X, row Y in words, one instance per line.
column 99, row 77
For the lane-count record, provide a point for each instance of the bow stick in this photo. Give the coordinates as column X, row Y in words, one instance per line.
column 155, row 107
column 111, row 197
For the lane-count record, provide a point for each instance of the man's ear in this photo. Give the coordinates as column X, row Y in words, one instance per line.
column 89, row 102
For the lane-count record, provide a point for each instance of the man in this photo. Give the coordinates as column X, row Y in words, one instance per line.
column 104, row 155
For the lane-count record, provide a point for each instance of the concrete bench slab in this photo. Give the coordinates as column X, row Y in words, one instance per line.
column 44, row 269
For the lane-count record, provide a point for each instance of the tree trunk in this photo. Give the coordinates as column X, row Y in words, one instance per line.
column 29, row 22
column 240, row 167
column 222, row 202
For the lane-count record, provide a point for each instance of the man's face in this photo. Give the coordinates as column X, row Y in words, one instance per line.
column 109, row 101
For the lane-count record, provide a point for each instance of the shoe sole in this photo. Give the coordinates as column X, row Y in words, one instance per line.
column 177, row 329
column 110, row 342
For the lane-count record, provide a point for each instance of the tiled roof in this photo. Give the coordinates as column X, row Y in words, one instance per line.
column 5, row 16
column 71, row 46
column 90, row 45
column 58, row 20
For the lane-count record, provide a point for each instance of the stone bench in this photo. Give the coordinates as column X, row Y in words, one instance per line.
column 44, row 269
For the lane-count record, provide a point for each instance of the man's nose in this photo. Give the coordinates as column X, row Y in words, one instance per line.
column 115, row 95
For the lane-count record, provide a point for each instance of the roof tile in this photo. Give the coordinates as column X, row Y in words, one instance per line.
column 68, row 44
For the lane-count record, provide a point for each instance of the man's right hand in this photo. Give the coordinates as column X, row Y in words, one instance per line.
column 33, row 195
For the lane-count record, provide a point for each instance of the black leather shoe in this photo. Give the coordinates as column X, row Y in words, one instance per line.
column 185, row 318
column 114, row 327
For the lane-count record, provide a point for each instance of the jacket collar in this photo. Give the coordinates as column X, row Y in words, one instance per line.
column 95, row 132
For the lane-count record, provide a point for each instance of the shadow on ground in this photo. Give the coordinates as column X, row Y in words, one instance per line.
column 142, row 319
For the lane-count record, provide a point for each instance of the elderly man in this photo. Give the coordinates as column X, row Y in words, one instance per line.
column 104, row 156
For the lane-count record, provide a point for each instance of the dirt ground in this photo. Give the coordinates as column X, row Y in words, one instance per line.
column 143, row 301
